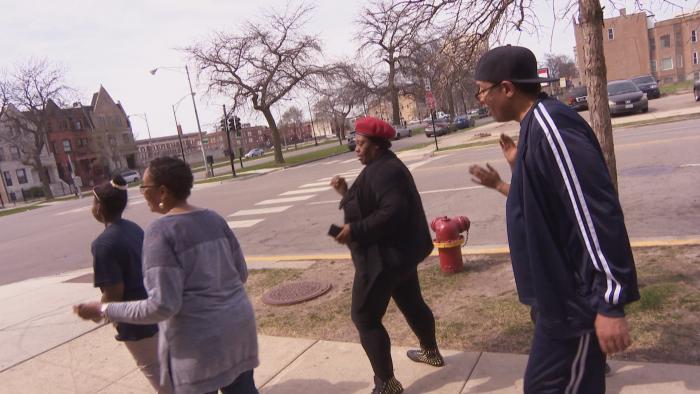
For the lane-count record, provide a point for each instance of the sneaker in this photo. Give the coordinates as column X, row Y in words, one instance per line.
column 427, row 356
column 608, row 370
column 391, row 386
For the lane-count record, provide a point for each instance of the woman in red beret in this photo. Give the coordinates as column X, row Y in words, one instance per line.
column 387, row 234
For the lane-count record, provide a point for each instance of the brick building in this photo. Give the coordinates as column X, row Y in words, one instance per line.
column 634, row 45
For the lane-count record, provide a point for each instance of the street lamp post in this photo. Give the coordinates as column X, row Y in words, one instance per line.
column 196, row 115
column 179, row 135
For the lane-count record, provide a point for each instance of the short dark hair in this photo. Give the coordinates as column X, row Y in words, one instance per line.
column 174, row 174
column 530, row 89
column 382, row 143
column 112, row 198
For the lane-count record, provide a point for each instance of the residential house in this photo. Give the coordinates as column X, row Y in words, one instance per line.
column 634, row 45
column 20, row 179
column 113, row 139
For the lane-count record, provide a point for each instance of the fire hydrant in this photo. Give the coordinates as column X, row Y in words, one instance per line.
column 449, row 241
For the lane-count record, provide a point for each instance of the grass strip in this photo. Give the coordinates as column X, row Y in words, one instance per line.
column 13, row 211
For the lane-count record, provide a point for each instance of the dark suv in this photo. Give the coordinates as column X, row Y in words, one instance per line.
column 648, row 85
column 577, row 98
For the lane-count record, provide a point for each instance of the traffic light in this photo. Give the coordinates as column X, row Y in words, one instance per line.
column 231, row 125
column 223, row 124
column 237, row 125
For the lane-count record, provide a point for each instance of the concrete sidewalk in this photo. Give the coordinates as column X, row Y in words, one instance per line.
column 96, row 363
column 46, row 348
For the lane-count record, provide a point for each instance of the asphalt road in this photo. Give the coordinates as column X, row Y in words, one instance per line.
column 288, row 212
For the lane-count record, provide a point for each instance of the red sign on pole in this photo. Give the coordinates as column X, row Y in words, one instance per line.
column 430, row 100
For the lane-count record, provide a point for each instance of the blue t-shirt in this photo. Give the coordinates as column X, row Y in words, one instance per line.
column 117, row 259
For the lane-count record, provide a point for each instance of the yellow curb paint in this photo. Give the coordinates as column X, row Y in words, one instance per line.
column 469, row 250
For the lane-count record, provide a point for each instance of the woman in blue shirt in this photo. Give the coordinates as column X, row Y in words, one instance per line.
column 117, row 267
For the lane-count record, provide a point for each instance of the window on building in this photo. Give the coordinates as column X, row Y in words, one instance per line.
column 112, row 140
column 665, row 41
column 693, row 36
column 695, row 59
column 8, row 178
column 666, row 64
column 678, row 39
column 78, row 125
column 126, row 138
column 67, row 146
column 21, row 176
column 2, row 154
column 652, row 44
column 14, row 153
column 679, row 62
column 611, row 34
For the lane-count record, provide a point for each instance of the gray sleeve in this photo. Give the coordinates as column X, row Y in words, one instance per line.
column 164, row 282
column 237, row 253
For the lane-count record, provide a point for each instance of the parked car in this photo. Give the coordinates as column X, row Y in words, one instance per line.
column 577, row 98
column 624, row 97
column 696, row 90
column 648, row 85
column 441, row 128
column 478, row 112
column 463, row 122
column 254, row 153
column 351, row 141
column 402, row 132
column 131, row 176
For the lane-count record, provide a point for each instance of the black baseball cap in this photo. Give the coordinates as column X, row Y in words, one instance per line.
column 509, row 63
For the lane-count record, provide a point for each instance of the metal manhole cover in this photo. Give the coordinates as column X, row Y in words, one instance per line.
column 295, row 292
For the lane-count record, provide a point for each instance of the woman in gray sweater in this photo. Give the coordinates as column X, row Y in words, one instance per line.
column 194, row 271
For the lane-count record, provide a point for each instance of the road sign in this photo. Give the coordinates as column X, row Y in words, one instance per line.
column 543, row 73
column 430, row 100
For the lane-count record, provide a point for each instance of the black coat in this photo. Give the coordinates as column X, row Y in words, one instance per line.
column 388, row 225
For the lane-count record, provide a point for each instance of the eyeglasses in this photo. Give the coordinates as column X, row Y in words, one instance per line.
column 143, row 188
column 480, row 93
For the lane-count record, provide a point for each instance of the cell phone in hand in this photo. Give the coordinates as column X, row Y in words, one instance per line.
column 334, row 230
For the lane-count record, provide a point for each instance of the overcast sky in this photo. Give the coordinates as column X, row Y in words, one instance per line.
column 116, row 43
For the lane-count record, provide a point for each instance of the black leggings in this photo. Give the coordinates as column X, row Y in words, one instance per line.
column 370, row 298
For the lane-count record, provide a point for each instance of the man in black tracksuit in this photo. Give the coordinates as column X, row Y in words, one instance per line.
column 571, row 256
column 387, row 233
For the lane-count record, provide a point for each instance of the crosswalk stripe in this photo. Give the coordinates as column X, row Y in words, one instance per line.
column 347, row 178
column 244, row 223
column 324, row 202
column 306, row 191
column 259, row 211
column 315, row 184
column 284, row 200
column 331, row 162
column 349, row 161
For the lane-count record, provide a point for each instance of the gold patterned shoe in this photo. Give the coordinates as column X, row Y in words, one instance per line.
column 427, row 356
column 391, row 386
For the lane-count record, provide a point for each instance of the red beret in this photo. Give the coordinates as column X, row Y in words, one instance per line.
column 373, row 127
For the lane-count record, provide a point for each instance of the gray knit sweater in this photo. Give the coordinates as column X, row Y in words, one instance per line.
column 194, row 272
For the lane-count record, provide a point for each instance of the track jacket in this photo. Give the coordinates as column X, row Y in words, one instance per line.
column 568, row 242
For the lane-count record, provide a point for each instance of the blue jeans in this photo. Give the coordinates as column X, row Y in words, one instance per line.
column 244, row 384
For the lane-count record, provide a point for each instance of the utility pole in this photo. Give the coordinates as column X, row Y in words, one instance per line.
column 210, row 172
column 228, row 139
column 179, row 135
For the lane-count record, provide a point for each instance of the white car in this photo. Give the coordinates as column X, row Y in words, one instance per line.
column 131, row 176
column 402, row 132
column 254, row 152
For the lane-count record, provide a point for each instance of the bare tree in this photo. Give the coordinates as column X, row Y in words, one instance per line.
column 388, row 30
column 339, row 93
column 262, row 63
column 27, row 92
column 560, row 66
